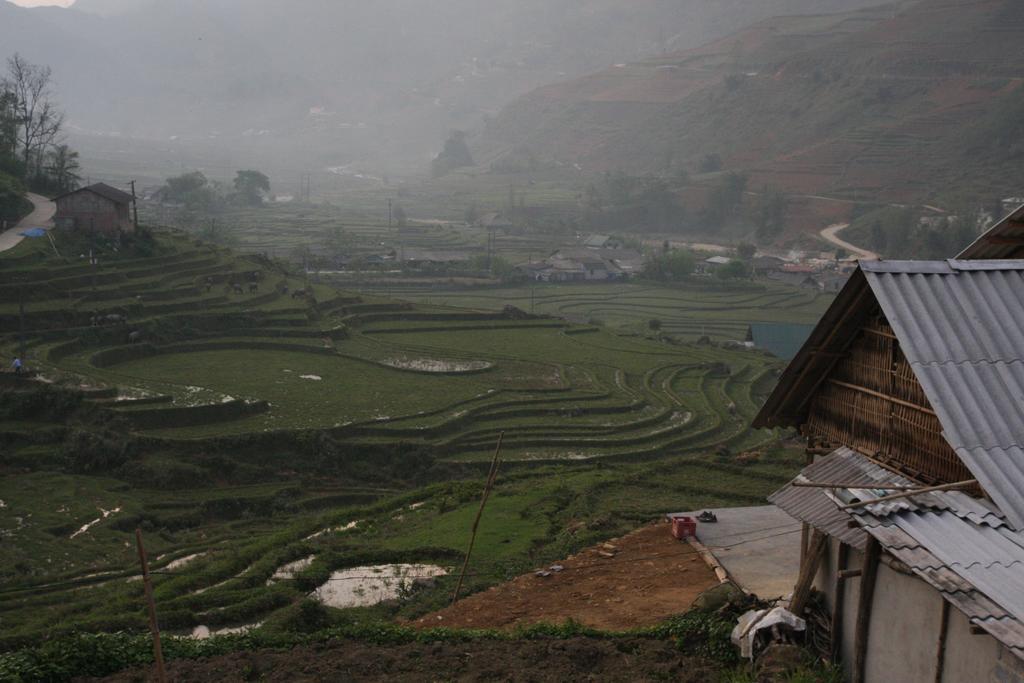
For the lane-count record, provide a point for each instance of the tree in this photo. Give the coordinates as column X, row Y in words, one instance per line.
column 63, row 168
column 455, row 154
column 8, row 130
column 13, row 204
column 252, row 186
column 676, row 264
column 771, row 214
column 400, row 218
column 191, row 189
column 726, row 198
column 38, row 119
column 745, row 251
column 733, row 270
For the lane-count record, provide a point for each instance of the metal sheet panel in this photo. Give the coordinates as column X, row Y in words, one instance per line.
column 962, row 330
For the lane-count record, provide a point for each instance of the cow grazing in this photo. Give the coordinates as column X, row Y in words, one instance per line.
column 253, row 287
column 135, row 337
column 237, row 288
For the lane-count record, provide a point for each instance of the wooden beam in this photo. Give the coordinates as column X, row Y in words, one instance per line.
column 940, row 655
column 1012, row 240
column 880, row 333
column 879, row 394
column 808, row 569
column 839, row 600
column 907, row 494
column 869, row 572
column 850, row 573
column 847, row 485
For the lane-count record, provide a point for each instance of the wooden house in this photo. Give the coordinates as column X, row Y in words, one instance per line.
column 97, row 208
column 910, row 393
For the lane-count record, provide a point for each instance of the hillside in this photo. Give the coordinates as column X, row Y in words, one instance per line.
column 897, row 103
column 321, row 82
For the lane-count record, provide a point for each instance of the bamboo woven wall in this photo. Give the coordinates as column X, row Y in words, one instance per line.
column 872, row 401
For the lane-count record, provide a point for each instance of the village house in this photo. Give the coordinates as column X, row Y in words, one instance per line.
column 602, row 242
column 910, row 393
column 582, row 264
column 97, row 208
column 713, row 263
column 765, row 265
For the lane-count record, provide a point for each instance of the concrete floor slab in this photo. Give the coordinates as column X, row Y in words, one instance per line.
column 758, row 546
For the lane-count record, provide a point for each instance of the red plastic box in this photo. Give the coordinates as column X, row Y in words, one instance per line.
column 683, row 527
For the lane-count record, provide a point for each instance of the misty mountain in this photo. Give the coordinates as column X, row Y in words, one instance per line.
column 380, row 81
column 901, row 102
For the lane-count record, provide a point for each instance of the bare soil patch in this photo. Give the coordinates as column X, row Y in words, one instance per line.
column 637, row 580
column 575, row 659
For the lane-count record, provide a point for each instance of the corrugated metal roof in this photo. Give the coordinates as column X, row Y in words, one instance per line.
column 978, row 568
column 1001, row 241
column 962, row 330
column 815, row 507
column 958, row 544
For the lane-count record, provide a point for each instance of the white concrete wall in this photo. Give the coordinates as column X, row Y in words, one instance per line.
column 904, row 631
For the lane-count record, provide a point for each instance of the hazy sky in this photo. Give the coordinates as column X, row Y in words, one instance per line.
column 37, row 3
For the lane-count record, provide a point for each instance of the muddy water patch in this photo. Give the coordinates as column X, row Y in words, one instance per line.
column 182, row 561
column 288, row 571
column 435, row 365
column 203, row 632
column 104, row 514
column 365, row 586
column 347, row 527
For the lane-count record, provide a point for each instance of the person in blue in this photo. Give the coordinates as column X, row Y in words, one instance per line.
column 17, row 365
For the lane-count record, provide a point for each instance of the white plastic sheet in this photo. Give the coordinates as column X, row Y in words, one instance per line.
column 751, row 623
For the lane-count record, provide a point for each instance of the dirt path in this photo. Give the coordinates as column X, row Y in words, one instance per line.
column 651, row 576
column 831, row 234
column 41, row 217
column 575, row 659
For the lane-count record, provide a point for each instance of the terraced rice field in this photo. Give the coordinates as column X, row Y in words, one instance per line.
column 686, row 311
column 246, row 432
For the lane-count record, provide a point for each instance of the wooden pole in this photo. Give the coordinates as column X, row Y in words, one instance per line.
column 709, row 559
column 491, row 475
column 135, row 207
column 940, row 656
column 158, row 652
column 802, row 590
column 838, row 600
column 869, row 572
column 907, row 494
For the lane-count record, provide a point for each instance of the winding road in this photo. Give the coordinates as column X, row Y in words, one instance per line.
column 831, row 234
column 41, row 217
